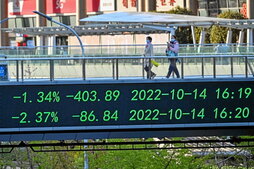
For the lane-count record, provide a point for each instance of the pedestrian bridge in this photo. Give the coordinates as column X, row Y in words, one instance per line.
column 74, row 98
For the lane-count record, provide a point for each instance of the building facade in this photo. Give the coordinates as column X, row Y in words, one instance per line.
column 215, row 7
column 70, row 12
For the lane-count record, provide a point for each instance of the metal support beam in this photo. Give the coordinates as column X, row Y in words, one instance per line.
column 84, row 69
column 249, row 39
column 246, row 66
column 51, row 70
column 172, row 31
column 104, row 145
column 250, row 36
column 229, row 36
column 202, row 68
column 241, row 37
column 193, row 35
column 51, row 43
column 202, row 37
column 40, row 41
column 17, row 70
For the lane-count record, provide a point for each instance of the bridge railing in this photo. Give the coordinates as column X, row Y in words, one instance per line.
column 131, row 67
column 123, row 50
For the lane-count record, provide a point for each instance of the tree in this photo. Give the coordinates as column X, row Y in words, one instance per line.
column 207, row 35
column 219, row 34
column 26, row 158
column 142, row 159
column 179, row 10
column 183, row 34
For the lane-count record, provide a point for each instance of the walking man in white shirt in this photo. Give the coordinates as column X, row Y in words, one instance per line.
column 149, row 52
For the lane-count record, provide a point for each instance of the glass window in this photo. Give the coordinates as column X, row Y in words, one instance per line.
column 223, row 10
column 66, row 20
column 61, row 40
column 49, row 23
column 213, row 13
column 11, row 23
column 235, row 10
column 31, row 22
column 26, row 22
column 213, row 4
column 56, row 18
column 203, row 13
column 202, row 4
column 19, row 22
column 223, row 4
column 73, row 20
column 232, row 3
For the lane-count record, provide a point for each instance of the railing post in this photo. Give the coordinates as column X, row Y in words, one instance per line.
column 246, row 66
column 214, row 67
column 117, row 70
column 17, row 70
column 113, row 68
column 22, row 70
column 84, row 69
column 182, row 68
column 202, row 67
column 101, row 50
column 250, row 67
column 232, row 67
column 51, row 69
column 149, row 70
column 143, row 71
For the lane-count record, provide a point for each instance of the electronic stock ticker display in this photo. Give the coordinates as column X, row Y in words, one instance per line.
column 127, row 104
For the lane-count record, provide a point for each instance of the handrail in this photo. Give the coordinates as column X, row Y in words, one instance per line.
column 114, row 62
column 122, row 50
column 123, row 45
column 125, row 57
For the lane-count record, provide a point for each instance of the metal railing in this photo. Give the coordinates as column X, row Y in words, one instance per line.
column 124, row 50
column 131, row 67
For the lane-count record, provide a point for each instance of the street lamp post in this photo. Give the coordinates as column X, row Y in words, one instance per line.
column 83, row 55
column 73, row 31
column 61, row 24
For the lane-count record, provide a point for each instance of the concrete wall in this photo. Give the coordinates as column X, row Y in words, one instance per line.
column 250, row 15
column 119, row 39
column 192, row 5
column 3, row 14
column 81, row 12
column 250, row 7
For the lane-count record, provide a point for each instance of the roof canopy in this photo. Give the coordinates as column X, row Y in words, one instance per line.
column 149, row 17
column 167, row 20
column 134, row 23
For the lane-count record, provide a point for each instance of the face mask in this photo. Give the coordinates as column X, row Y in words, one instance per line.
column 172, row 39
column 147, row 41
